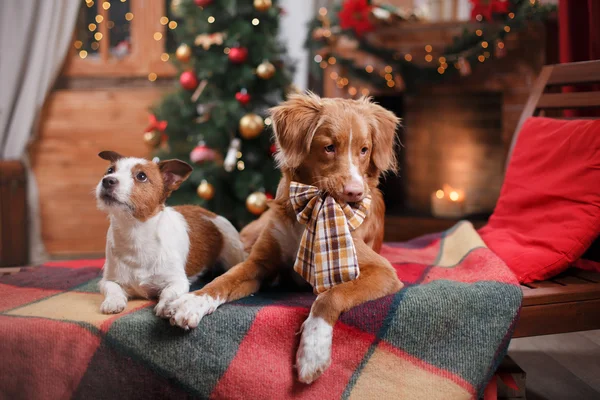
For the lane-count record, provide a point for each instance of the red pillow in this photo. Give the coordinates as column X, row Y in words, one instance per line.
column 548, row 212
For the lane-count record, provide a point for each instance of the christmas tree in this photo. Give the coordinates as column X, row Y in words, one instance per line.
column 231, row 70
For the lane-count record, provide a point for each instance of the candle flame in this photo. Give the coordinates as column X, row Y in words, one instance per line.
column 449, row 192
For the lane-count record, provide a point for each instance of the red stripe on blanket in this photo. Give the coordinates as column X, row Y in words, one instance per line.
column 428, row 367
column 263, row 364
column 410, row 273
column 398, row 255
column 13, row 297
column 74, row 264
column 36, row 364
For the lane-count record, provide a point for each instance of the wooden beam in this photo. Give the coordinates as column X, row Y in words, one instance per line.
column 575, row 73
column 569, row 100
column 530, row 107
column 558, row 318
column 561, row 294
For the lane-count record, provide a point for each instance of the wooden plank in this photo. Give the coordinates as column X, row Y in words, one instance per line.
column 76, row 125
column 561, row 294
column 529, row 110
column 587, row 275
column 570, row 280
column 13, row 214
column 103, row 29
column 593, row 336
column 558, row 318
column 569, row 100
column 547, row 375
column 544, row 284
column 575, row 352
column 575, row 73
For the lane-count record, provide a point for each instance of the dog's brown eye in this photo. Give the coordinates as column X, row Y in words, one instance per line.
column 330, row 148
column 141, row 177
column 110, row 171
column 363, row 151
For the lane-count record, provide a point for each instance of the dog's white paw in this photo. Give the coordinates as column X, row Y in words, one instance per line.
column 113, row 305
column 314, row 354
column 188, row 310
column 161, row 309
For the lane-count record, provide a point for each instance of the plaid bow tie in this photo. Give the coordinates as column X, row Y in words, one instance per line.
column 326, row 256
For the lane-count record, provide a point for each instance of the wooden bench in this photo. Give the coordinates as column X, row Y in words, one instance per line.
column 569, row 302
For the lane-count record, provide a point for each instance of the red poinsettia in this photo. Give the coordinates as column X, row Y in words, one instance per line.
column 487, row 8
column 355, row 15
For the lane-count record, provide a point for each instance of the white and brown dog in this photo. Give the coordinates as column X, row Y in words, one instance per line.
column 153, row 250
column 341, row 147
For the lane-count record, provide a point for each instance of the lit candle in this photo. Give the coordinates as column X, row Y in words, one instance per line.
column 448, row 202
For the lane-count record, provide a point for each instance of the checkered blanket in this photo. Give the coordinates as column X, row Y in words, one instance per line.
column 442, row 336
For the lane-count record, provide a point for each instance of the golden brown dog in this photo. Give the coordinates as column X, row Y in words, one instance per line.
column 342, row 147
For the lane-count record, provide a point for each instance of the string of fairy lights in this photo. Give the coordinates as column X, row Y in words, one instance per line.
column 483, row 49
column 94, row 28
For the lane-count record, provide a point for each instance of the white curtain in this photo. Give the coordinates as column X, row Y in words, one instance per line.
column 293, row 30
column 34, row 38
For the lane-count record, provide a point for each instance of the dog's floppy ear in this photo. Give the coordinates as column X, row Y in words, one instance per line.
column 383, row 133
column 174, row 172
column 111, row 156
column 294, row 124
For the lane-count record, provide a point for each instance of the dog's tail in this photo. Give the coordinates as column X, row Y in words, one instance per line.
column 233, row 250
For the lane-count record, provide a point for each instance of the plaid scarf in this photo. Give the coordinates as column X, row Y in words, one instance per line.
column 326, row 256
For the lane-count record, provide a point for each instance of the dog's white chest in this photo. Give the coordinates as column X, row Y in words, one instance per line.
column 143, row 257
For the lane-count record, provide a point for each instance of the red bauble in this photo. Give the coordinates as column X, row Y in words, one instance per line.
column 188, row 80
column 202, row 153
column 272, row 149
column 238, row 55
column 269, row 196
column 355, row 15
column 203, row 3
column 243, row 97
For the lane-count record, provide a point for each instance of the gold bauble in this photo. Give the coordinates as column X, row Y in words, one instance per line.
column 205, row 190
column 256, row 203
column 262, row 5
column 183, row 53
column 265, row 70
column 152, row 138
column 251, row 125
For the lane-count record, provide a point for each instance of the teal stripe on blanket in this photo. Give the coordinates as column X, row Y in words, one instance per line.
column 196, row 359
column 463, row 324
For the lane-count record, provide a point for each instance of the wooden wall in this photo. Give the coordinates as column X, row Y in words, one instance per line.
column 76, row 125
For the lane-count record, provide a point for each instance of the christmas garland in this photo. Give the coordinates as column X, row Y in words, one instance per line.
column 352, row 21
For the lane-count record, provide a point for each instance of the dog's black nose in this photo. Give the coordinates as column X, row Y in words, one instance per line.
column 109, row 182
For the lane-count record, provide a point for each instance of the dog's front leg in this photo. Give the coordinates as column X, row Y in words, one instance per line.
column 172, row 291
column 115, row 298
column 377, row 279
column 240, row 281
